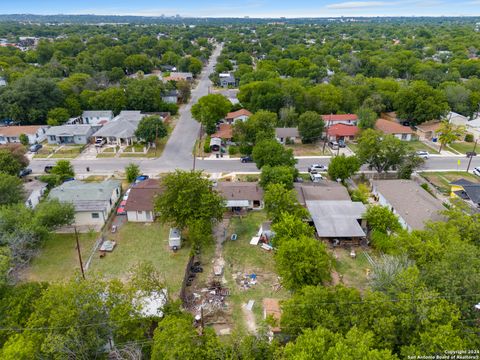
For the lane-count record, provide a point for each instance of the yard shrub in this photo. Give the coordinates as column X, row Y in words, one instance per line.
column 232, row 150
column 206, row 145
column 469, row 138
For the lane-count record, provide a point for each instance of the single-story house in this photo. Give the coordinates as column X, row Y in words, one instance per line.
column 342, row 131
column 338, row 219
column 121, row 130
column 93, row 201
column 70, row 134
column 97, row 117
column 178, row 76
column 224, row 132
column 428, row 130
column 271, row 309
column 170, row 97
column 34, row 191
column 11, row 134
column 466, row 190
column 140, row 200
column 473, row 127
column 457, row 119
column 227, row 79
column 325, row 190
column 239, row 115
column 241, row 195
column 401, row 132
column 284, row 135
column 409, row 201
column 347, row 119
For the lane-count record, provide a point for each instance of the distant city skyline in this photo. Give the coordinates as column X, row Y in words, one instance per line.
column 242, row 8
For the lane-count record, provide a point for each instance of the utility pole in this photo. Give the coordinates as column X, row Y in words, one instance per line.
column 326, row 133
column 79, row 253
column 195, row 148
column 156, row 139
column 470, row 156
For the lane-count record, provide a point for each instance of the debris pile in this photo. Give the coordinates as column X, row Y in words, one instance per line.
column 211, row 299
column 246, row 281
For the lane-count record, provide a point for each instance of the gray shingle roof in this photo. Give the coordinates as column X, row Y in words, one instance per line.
column 122, row 126
column 410, row 201
column 286, row 132
column 98, row 113
column 69, row 130
column 86, row 196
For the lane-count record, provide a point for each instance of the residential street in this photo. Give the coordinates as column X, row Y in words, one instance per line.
column 178, row 151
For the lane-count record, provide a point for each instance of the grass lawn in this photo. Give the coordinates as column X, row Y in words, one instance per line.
column 68, row 152
column 309, row 149
column 353, row 270
column 441, row 180
column 150, row 153
column 352, row 146
column 106, row 155
column 137, row 242
column 241, row 257
column 463, row 147
column 417, row 145
column 58, row 258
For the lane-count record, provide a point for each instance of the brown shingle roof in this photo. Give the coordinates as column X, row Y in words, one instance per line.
column 225, row 131
column 328, row 190
column 235, row 114
column 18, row 130
column 339, row 117
column 391, row 127
column 432, row 125
column 240, row 190
column 142, row 195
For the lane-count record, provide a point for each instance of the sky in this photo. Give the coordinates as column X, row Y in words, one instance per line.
column 241, row 8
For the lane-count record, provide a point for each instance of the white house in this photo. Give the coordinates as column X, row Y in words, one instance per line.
column 239, row 115
column 284, row 135
column 140, row 200
column 11, row 134
column 70, row 134
column 93, row 201
column 170, row 97
column 457, row 119
column 121, row 130
column 400, row 131
column 473, row 127
column 97, row 117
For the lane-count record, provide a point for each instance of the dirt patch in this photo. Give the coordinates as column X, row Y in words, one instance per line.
column 249, row 319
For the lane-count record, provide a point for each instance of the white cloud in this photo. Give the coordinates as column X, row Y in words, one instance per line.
column 357, row 4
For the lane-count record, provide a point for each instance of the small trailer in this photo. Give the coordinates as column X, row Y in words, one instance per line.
column 175, row 239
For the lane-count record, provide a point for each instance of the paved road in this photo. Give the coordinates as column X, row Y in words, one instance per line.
column 178, row 151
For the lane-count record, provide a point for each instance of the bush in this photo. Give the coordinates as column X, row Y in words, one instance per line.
column 206, row 145
column 246, row 149
column 469, row 138
column 232, row 150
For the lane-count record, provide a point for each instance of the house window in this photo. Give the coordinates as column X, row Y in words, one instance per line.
column 140, row 212
column 95, row 216
column 404, row 136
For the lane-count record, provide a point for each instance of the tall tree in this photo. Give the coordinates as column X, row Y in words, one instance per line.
column 210, row 109
column 278, row 175
column 151, row 129
column 310, row 126
column 132, row 171
column 63, row 170
column 280, row 200
column 448, row 133
column 271, row 152
column 12, row 160
column 11, row 189
column 366, row 118
column 343, row 167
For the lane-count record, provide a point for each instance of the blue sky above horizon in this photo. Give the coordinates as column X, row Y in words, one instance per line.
column 241, row 8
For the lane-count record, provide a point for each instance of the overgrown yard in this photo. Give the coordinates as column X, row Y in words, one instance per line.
column 441, row 180
column 57, row 259
column 68, row 152
column 417, row 145
column 309, row 149
column 137, row 242
column 241, row 259
column 353, row 271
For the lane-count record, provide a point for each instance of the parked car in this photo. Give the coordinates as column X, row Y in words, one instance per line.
column 316, row 177
column 121, row 208
column 476, row 171
column 141, row 178
column 317, row 167
column 341, row 143
column 423, row 154
column 127, row 193
column 48, row 168
column 34, row 148
column 246, row 159
column 333, row 145
column 25, row 172
column 100, row 141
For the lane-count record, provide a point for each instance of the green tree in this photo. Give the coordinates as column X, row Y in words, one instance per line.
column 380, row 218
column 52, row 214
column 272, row 153
column 210, row 109
column 12, row 160
column 448, row 133
column 132, row 171
column 379, row 151
column 303, row 261
column 188, row 196
column 110, row 99
column 310, row 126
column 195, row 66
column 138, row 62
column 324, row 99
column 11, row 189
column 57, row 116
column 361, row 193
column 277, row 175
column 145, row 94
column 280, row 200
column 151, row 129
column 290, row 227
column 367, row 118
column 63, row 170
column 410, row 162
column 343, row 167
column 24, row 139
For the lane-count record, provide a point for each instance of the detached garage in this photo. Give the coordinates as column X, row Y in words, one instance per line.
column 140, row 202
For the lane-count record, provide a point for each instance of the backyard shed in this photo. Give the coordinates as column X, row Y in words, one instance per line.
column 174, row 239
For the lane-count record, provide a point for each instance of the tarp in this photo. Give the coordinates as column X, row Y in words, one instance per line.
column 237, row 203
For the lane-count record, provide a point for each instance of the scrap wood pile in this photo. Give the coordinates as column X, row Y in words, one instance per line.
column 211, row 298
column 245, row 281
